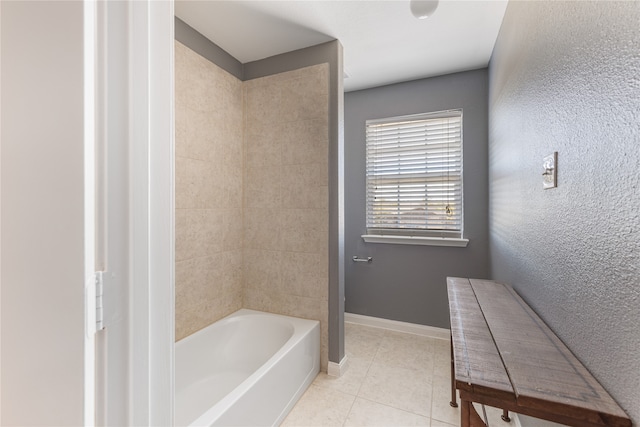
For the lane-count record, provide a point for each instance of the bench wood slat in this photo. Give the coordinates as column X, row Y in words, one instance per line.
column 504, row 351
column 471, row 360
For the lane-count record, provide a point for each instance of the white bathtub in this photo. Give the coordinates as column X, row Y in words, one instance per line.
column 247, row 369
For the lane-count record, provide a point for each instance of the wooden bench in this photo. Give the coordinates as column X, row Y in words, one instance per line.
column 503, row 355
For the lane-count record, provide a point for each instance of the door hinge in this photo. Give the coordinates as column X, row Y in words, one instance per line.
column 99, row 300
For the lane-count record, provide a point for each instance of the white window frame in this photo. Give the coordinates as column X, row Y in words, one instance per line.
column 435, row 231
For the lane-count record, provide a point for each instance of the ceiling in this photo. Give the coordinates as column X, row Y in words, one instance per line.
column 383, row 42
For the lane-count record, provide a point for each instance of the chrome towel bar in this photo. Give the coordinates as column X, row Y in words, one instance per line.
column 367, row 259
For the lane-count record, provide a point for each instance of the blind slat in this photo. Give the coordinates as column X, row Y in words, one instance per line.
column 414, row 173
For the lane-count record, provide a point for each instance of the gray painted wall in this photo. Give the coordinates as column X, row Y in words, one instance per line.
column 188, row 36
column 408, row 283
column 564, row 77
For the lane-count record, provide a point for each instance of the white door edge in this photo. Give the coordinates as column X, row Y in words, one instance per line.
column 89, row 210
column 135, row 99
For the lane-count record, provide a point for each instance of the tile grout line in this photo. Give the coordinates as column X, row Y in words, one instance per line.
column 362, row 382
column 349, row 412
column 429, row 417
column 433, row 390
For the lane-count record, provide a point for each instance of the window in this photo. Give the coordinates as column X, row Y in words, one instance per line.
column 414, row 179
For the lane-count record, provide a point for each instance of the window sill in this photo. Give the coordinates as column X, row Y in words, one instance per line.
column 416, row 240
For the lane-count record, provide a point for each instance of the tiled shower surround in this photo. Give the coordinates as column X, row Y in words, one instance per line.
column 286, row 212
column 208, row 118
column 251, row 194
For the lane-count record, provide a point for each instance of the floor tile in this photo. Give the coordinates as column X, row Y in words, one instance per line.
column 407, row 351
column 401, row 388
column 363, row 341
column 320, row 406
column 442, row 353
column 493, row 416
column 367, row 413
column 350, row 381
column 393, row 379
column 441, row 410
column 443, row 413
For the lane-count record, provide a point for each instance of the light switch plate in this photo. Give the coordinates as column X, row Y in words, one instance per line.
column 550, row 172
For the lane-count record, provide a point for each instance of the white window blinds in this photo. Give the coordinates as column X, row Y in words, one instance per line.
column 414, row 175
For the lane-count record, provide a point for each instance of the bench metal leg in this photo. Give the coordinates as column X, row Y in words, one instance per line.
column 453, row 402
column 469, row 416
column 505, row 416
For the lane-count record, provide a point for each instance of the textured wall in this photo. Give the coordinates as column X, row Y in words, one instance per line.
column 286, row 214
column 408, row 283
column 565, row 77
column 209, row 158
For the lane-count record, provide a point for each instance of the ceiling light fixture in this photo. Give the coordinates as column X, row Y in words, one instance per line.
column 422, row 9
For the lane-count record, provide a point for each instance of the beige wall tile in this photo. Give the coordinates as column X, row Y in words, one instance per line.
column 183, row 324
column 262, row 229
column 324, row 334
column 185, row 123
column 305, row 141
column 215, row 191
column 181, row 235
column 209, row 175
column 232, row 273
column 259, row 299
column 297, row 306
column 262, row 187
column 184, row 281
column 263, row 146
column 199, row 232
column 225, row 303
column 305, row 97
column 304, row 230
column 289, row 75
column 261, row 269
column 190, row 78
column 251, row 194
column 262, row 104
column 233, row 187
column 190, row 183
column 266, row 81
column 196, row 281
column 298, row 105
column 228, row 89
column 286, row 231
column 204, row 313
column 305, row 186
column 232, row 227
column 305, row 274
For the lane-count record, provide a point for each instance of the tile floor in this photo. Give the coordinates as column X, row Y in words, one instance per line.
column 393, row 379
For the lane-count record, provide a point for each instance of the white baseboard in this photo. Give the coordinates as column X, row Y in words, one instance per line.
column 394, row 325
column 338, row 369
